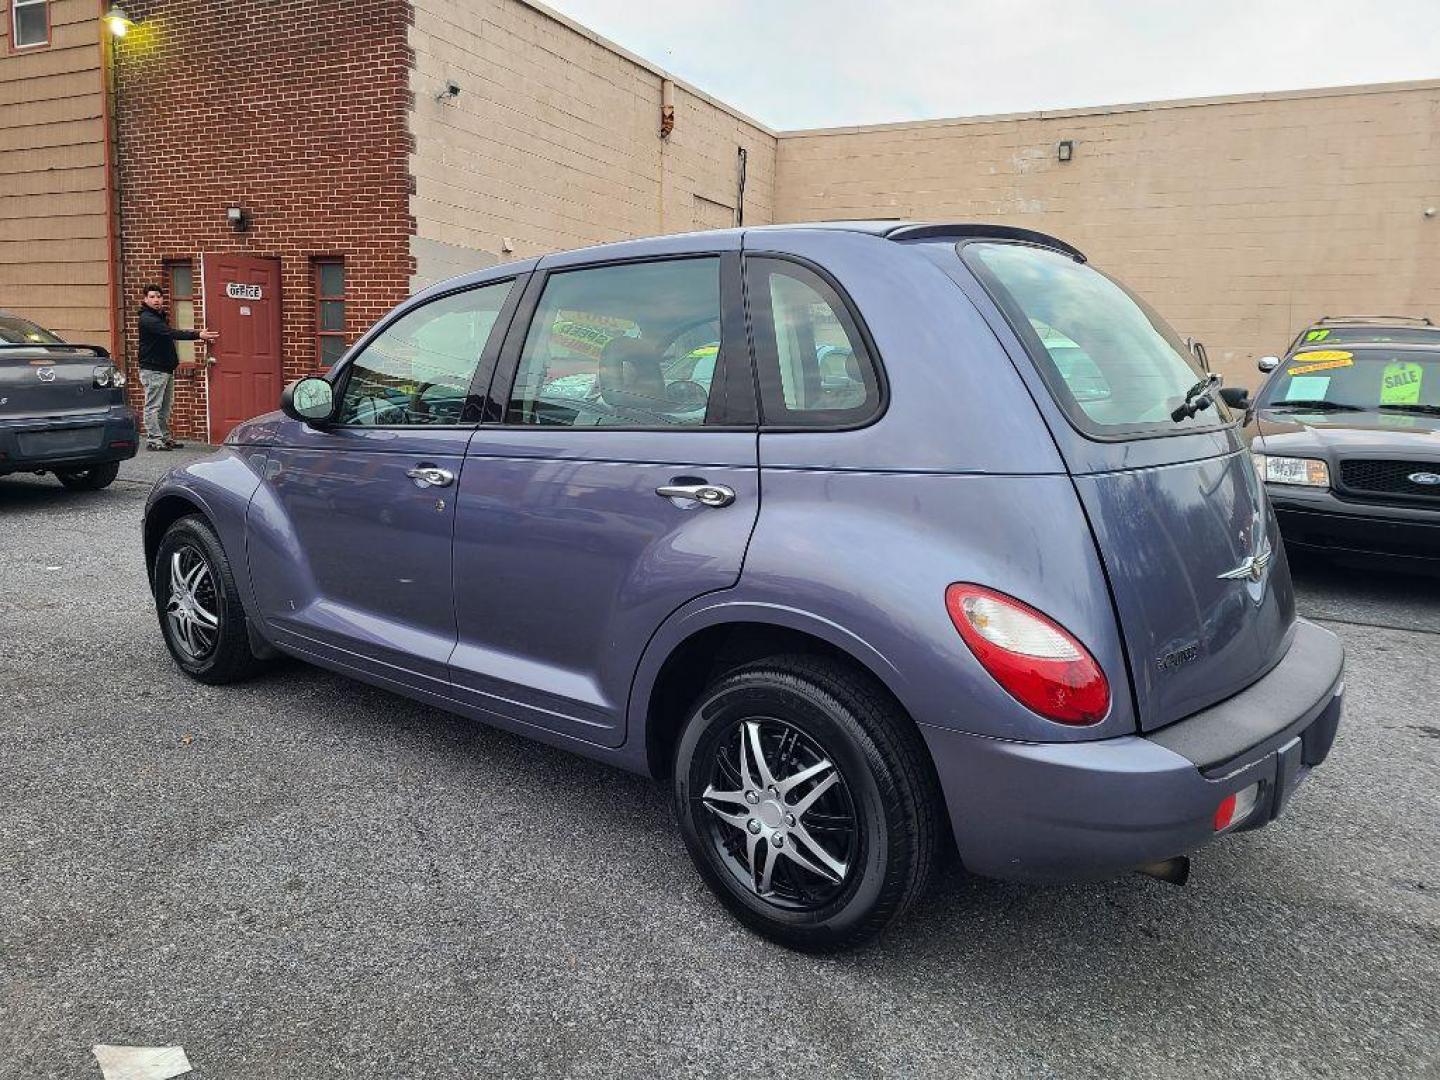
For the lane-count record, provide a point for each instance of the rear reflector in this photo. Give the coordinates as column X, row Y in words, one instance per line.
column 1036, row 660
column 1236, row 807
column 122, row 444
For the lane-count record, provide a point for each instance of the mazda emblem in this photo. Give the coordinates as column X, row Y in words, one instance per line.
column 45, row 374
column 1426, row 478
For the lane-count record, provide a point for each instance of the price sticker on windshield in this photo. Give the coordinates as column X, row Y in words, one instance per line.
column 1307, row 388
column 1400, row 383
column 1320, row 360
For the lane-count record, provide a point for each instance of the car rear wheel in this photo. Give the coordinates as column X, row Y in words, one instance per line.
column 807, row 801
column 90, row 479
column 199, row 607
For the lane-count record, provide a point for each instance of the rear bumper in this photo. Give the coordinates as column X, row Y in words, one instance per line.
column 72, row 442
column 1318, row 521
column 1077, row 811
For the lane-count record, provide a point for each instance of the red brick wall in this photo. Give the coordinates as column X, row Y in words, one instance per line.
column 294, row 110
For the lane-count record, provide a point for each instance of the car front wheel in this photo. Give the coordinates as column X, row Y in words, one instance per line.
column 199, row 607
column 807, row 801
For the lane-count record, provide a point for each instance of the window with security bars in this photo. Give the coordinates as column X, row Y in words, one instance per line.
column 329, row 311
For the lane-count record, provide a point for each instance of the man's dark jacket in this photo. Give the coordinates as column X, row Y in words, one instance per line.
column 157, row 341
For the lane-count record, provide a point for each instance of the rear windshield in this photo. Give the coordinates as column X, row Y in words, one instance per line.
column 1361, row 378
column 16, row 331
column 1324, row 337
column 1113, row 365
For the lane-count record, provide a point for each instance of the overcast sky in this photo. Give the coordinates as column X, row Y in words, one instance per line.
column 817, row 63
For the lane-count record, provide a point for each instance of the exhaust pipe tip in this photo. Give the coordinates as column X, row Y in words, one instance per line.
column 1175, row 871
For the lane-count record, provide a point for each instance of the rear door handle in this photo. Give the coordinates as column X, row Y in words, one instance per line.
column 705, row 494
column 429, row 476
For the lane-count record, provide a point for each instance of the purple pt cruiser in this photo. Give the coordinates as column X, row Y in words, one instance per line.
column 869, row 539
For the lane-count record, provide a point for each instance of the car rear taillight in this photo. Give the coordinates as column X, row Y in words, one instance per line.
column 1033, row 657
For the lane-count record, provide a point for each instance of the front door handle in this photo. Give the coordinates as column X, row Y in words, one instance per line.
column 705, row 494
column 429, row 476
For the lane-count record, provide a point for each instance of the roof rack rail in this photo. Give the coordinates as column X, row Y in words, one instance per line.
column 982, row 231
column 57, row 346
column 1331, row 320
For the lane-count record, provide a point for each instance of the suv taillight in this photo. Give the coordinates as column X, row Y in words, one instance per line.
column 1037, row 661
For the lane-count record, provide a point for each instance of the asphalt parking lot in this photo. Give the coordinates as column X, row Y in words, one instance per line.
column 306, row 877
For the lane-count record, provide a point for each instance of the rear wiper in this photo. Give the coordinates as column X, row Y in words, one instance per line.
column 1321, row 406
column 1411, row 407
column 1197, row 399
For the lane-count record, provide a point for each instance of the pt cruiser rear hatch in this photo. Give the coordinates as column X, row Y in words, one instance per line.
column 1188, row 540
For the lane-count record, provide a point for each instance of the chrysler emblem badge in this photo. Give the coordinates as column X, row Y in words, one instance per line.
column 1426, row 478
column 45, row 374
column 1252, row 569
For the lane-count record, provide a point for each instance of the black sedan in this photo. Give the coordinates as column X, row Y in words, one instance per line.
column 1346, row 438
column 62, row 408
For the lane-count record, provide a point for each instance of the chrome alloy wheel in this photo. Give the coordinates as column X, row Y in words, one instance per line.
column 784, row 822
column 192, row 609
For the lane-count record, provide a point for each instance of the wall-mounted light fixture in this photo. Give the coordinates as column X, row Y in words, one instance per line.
column 1065, row 150
column 450, row 91
column 237, row 217
column 118, row 20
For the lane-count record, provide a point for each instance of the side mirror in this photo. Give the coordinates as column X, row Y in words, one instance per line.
column 310, row 400
column 1237, row 397
column 1268, row 364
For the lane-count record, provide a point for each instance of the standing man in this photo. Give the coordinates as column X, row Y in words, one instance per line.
column 158, row 360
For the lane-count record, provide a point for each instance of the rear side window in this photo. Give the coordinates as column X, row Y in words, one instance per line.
column 814, row 369
column 1112, row 364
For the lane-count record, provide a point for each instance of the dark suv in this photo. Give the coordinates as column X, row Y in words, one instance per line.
column 810, row 522
column 62, row 408
column 1346, row 435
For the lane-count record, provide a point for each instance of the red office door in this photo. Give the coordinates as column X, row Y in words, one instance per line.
column 242, row 302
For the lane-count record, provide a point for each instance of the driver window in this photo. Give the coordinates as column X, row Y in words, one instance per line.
column 419, row 369
column 633, row 345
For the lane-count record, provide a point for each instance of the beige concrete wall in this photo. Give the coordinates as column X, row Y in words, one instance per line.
column 553, row 141
column 1240, row 219
column 54, row 248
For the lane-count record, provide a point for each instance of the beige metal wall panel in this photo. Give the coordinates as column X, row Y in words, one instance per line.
column 1240, row 218
column 54, row 245
column 553, row 140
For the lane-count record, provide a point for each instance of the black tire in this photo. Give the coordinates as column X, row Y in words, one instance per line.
column 226, row 656
column 838, row 715
column 92, row 478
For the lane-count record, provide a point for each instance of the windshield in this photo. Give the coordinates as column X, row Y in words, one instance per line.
column 1361, row 378
column 17, row 331
column 1112, row 363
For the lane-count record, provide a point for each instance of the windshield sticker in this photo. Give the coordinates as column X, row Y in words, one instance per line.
column 1400, row 383
column 1307, row 388
column 1323, row 360
column 1316, row 335
column 587, row 333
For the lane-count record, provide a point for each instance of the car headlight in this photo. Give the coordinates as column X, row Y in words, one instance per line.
column 1305, row 472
